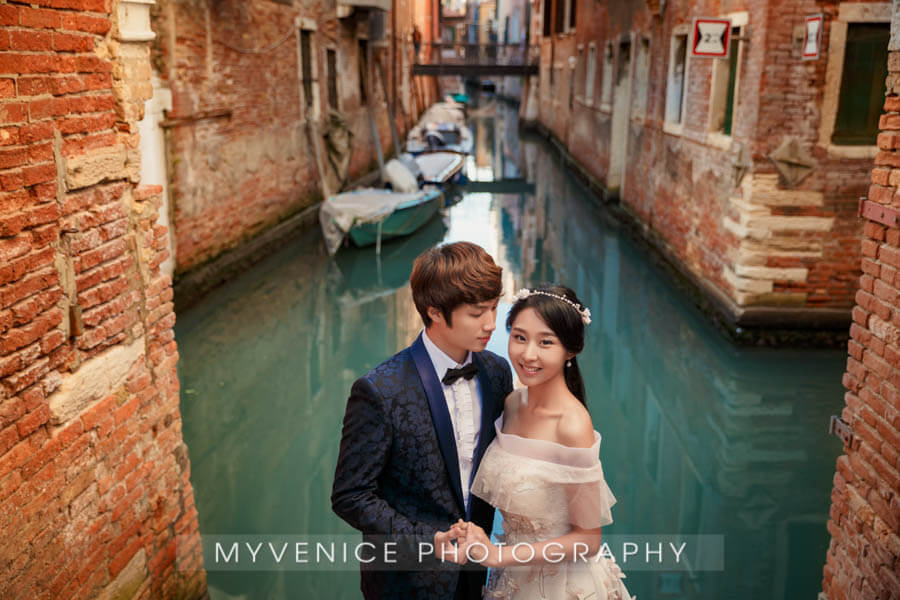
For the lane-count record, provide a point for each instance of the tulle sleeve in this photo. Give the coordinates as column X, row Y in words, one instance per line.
column 537, row 479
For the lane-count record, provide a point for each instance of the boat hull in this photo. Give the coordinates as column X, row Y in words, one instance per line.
column 404, row 220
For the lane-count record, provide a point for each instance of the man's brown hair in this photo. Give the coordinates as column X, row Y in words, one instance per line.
column 451, row 275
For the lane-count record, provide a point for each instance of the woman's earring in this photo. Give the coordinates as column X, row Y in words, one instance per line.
column 568, row 363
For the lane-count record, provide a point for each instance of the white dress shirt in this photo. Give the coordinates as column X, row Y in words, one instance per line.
column 464, row 404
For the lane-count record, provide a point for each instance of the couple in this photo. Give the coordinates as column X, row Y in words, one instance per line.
column 435, row 438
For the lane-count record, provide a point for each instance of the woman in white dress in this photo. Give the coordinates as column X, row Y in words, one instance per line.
column 543, row 470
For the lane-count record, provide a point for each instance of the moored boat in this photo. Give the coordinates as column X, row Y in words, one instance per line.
column 368, row 216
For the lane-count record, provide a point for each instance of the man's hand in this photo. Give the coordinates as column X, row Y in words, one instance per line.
column 444, row 547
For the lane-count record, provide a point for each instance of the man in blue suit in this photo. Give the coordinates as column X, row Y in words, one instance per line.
column 417, row 425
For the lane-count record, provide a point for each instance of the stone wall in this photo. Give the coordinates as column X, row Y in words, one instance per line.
column 729, row 208
column 94, row 476
column 247, row 139
column 864, row 554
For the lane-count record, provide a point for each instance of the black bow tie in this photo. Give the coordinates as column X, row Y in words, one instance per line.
column 452, row 375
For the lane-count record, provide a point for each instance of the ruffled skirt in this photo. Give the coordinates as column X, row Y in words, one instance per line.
column 598, row 578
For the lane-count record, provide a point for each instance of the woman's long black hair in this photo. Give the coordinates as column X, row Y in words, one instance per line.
column 566, row 323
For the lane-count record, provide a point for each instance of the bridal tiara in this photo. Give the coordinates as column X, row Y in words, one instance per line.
column 582, row 310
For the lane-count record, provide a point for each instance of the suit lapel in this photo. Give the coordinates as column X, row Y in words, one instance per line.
column 439, row 415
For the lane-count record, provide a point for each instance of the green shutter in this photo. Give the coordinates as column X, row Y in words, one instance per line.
column 862, row 84
column 732, row 76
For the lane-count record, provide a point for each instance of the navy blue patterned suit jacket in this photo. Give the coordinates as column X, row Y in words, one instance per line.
column 398, row 472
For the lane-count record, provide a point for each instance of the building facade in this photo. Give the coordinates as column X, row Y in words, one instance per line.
column 744, row 171
column 138, row 140
column 95, row 495
column 864, row 553
column 275, row 105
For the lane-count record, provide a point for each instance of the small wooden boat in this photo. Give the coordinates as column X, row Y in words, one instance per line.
column 440, row 168
column 370, row 215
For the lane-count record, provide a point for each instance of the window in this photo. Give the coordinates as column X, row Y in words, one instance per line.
column 726, row 74
column 560, row 16
column 548, row 22
column 591, row 74
column 606, row 84
column 331, row 57
column 642, row 77
column 565, row 16
column 862, row 84
column 308, row 78
column 624, row 63
column 677, row 78
column 572, row 82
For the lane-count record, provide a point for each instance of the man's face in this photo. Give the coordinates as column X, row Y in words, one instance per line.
column 470, row 329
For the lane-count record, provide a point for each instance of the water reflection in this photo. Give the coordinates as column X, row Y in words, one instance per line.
column 699, row 437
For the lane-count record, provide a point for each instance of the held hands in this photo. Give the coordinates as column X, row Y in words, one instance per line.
column 472, row 544
column 445, row 549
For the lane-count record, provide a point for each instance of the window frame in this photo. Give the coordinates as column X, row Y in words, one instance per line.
column 606, row 78
column 641, row 87
column 718, row 89
column 670, row 126
column 332, row 71
column 590, row 74
column 863, row 12
column 310, row 102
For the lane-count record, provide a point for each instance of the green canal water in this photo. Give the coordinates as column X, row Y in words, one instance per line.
column 698, row 436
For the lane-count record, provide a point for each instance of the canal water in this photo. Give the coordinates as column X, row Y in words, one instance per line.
column 699, row 436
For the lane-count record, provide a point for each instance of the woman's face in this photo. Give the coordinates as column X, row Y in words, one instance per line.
column 536, row 353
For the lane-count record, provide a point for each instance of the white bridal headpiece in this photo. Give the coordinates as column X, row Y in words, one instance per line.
column 582, row 310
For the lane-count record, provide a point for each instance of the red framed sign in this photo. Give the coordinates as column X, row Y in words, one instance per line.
column 812, row 37
column 710, row 37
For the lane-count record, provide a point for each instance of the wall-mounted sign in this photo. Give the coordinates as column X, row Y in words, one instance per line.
column 710, row 37
column 812, row 38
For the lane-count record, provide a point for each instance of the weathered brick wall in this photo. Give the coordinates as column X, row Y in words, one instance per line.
column 241, row 154
column 717, row 203
column 94, row 476
column 864, row 553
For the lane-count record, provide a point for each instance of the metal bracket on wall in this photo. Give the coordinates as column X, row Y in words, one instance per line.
column 224, row 113
column 842, row 429
column 886, row 215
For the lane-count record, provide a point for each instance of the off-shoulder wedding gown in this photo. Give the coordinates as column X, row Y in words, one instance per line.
column 543, row 488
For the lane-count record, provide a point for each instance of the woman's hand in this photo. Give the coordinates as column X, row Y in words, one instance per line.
column 477, row 546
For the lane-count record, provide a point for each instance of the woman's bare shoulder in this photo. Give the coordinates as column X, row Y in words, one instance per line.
column 575, row 428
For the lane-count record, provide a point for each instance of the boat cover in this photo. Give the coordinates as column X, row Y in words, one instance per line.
column 439, row 166
column 343, row 211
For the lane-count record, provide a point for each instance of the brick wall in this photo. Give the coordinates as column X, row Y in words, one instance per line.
column 716, row 203
column 253, row 163
column 864, row 553
column 94, row 476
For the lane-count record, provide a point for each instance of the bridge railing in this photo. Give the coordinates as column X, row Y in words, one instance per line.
column 475, row 54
